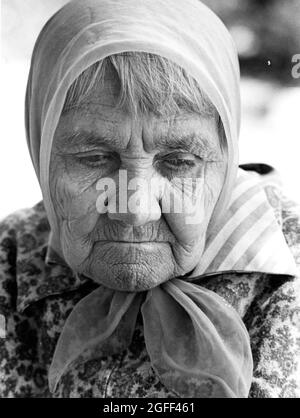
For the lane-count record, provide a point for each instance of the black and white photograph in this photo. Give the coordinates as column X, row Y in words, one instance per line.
column 150, row 201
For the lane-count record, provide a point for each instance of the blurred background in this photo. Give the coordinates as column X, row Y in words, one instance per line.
column 267, row 35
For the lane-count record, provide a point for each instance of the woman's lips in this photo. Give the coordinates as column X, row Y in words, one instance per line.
column 127, row 252
column 131, row 249
column 134, row 245
column 131, row 242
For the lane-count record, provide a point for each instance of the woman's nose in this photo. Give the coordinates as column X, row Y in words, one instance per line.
column 137, row 202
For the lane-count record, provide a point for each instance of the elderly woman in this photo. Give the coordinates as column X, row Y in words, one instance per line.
column 154, row 266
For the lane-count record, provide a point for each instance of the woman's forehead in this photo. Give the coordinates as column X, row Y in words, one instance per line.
column 97, row 125
column 102, row 113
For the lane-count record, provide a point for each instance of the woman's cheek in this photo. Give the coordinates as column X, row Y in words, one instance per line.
column 198, row 201
column 75, row 200
column 190, row 225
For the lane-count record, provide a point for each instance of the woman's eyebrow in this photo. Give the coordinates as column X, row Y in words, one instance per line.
column 194, row 143
column 190, row 142
column 88, row 139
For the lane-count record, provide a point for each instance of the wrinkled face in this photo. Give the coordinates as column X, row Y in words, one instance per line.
column 154, row 235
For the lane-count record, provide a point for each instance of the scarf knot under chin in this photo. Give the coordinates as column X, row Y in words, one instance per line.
column 197, row 343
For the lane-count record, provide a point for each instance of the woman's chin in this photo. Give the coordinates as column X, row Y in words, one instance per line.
column 129, row 277
column 131, row 267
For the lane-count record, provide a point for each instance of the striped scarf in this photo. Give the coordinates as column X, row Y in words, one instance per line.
column 249, row 237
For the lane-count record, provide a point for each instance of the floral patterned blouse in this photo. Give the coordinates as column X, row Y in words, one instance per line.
column 36, row 298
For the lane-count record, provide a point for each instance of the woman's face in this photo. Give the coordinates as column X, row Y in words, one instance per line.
column 141, row 235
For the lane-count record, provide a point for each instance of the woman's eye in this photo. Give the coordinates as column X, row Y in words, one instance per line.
column 178, row 163
column 95, row 159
